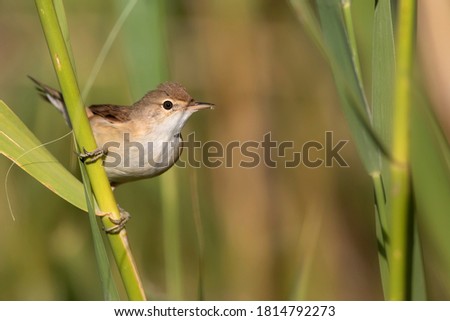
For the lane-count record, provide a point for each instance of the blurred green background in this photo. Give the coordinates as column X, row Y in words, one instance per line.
column 269, row 233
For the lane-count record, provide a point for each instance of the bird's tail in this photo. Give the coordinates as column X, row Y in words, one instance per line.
column 54, row 97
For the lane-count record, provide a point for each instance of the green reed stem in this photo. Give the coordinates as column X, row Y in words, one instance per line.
column 400, row 173
column 85, row 139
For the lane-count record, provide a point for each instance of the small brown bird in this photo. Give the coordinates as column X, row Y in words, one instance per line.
column 138, row 141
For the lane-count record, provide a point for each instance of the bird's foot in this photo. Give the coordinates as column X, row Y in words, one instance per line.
column 119, row 224
column 90, row 157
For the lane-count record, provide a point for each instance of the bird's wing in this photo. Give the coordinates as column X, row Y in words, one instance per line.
column 111, row 113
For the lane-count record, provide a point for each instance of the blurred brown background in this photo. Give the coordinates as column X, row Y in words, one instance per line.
column 269, row 233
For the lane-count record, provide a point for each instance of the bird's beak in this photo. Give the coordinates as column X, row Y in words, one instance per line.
column 198, row 106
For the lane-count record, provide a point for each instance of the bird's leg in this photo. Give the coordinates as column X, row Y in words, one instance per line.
column 90, row 157
column 119, row 223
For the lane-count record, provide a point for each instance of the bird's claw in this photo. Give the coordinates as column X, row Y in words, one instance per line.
column 90, row 157
column 119, row 224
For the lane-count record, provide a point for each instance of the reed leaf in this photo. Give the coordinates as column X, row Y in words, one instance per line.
column 349, row 85
column 383, row 74
column 20, row 145
column 430, row 164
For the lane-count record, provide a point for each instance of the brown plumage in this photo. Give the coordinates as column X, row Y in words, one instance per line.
column 153, row 123
column 174, row 90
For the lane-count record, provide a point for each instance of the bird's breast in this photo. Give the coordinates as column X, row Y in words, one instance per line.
column 132, row 157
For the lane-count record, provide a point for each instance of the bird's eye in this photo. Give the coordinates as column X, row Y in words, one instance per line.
column 167, row 105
